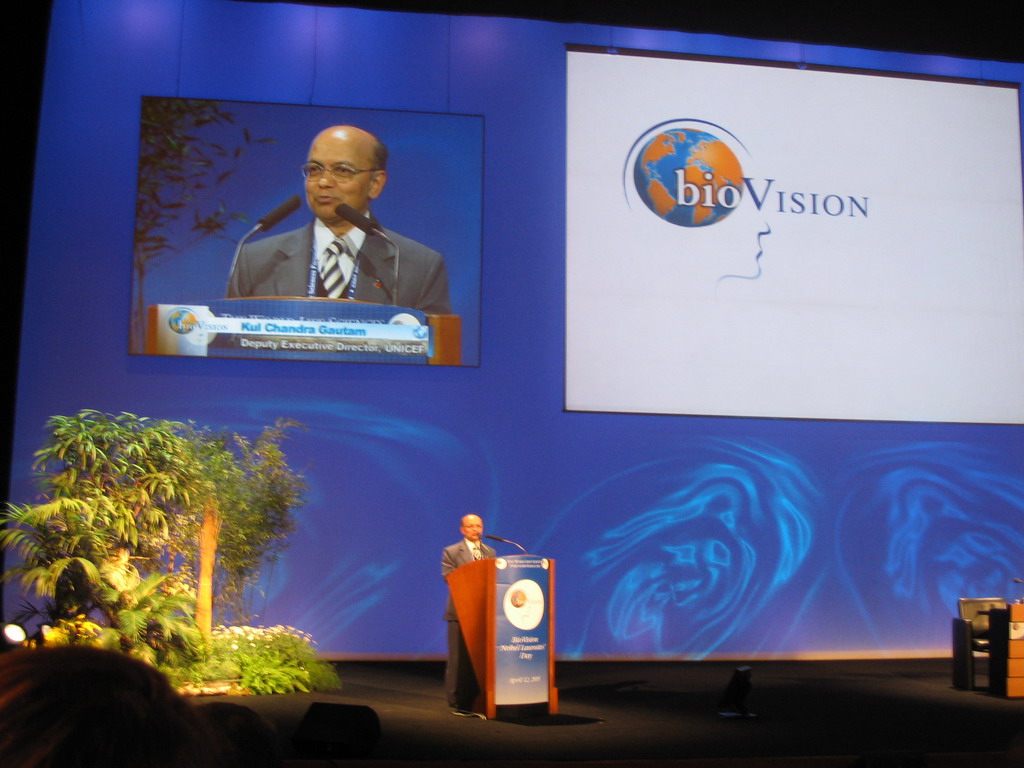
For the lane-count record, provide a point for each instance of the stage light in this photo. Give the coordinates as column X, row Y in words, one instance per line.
column 734, row 699
column 14, row 635
column 39, row 638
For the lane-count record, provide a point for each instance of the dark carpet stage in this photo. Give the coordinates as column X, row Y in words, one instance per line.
column 659, row 714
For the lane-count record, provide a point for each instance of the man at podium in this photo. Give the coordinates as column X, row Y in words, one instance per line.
column 459, row 679
column 333, row 256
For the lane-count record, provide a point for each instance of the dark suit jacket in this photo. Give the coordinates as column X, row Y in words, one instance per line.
column 279, row 266
column 451, row 558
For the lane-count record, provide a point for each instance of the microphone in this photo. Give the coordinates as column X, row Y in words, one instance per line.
column 283, row 211
column 505, row 541
column 272, row 219
column 356, row 219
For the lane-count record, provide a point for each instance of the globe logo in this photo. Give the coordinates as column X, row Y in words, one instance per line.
column 182, row 320
column 688, row 177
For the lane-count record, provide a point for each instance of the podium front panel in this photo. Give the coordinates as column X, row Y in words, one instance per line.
column 333, row 330
column 522, row 636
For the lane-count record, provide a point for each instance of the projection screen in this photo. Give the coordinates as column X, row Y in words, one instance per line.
column 780, row 241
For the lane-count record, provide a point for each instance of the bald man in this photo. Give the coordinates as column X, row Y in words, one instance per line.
column 459, row 680
column 330, row 257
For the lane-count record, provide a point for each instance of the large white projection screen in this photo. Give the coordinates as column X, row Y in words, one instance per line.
column 752, row 240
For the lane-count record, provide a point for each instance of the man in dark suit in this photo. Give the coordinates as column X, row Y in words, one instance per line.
column 459, row 680
column 331, row 257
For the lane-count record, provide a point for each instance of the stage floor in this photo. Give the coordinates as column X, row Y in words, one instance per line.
column 809, row 713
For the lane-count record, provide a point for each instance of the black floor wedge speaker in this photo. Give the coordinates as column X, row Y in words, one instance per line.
column 337, row 730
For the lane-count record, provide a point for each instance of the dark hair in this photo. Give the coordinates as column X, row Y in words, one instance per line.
column 82, row 707
column 380, row 154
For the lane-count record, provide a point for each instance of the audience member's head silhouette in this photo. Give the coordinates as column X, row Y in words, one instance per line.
column 82, row 707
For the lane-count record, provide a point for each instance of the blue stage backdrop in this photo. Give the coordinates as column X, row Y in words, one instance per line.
column 674, row 536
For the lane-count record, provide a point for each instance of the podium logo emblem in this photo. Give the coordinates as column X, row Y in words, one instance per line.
column 182, row 320
column 523, row 604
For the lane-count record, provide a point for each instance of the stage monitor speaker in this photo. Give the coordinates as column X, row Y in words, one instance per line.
column 337, row 730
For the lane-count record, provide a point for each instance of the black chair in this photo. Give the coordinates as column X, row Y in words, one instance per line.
column 970, row 636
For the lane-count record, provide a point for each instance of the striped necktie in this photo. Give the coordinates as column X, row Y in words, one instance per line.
column 330, row 270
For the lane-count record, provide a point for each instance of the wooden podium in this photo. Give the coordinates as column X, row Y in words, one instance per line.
column 506, row 611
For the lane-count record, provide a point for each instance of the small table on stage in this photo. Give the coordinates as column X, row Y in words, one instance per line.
column 1006, row 651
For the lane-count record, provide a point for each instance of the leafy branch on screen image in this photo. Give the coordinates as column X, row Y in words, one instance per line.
column 180, row 169
column 146, row 530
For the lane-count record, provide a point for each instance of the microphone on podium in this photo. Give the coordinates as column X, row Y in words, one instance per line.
column 283, row 211
column 356, row 219
column 506, row 541
column 272, row 219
